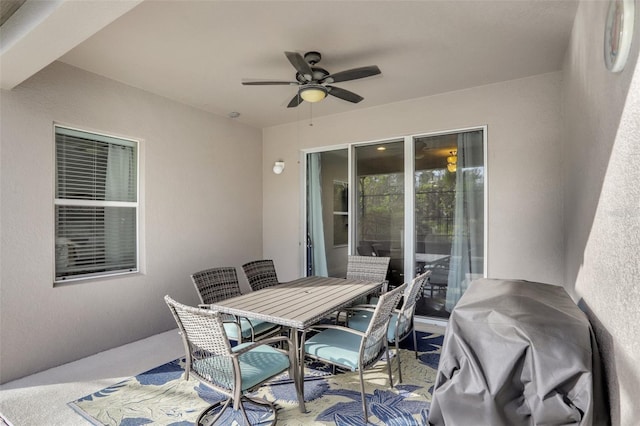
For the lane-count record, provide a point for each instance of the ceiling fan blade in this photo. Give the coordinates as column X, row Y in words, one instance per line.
column 297, row 100
column 269, row 83
column 352, row 74
column 344, row 94
column 300, row 65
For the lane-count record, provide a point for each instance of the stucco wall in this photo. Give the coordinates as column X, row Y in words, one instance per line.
column 524, row 169
column 601, row 154
column 201, row 208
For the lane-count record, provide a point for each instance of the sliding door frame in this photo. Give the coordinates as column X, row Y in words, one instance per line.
column 409, row 197
column 303, row 199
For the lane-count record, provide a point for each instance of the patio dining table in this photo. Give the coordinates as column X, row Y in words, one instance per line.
column 298, row 304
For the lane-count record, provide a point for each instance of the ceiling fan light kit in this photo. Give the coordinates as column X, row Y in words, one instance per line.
column 314, row 82
column 313, row 92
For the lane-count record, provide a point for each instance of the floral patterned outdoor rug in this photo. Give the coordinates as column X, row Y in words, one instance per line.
column 161, row 396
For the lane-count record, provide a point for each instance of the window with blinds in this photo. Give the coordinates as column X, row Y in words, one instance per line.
column 96, row 205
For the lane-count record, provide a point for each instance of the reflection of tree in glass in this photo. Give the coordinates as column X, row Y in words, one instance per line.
column 381, row 204
column 435, row 202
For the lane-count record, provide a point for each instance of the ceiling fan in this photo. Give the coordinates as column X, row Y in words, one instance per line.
column 315, row 82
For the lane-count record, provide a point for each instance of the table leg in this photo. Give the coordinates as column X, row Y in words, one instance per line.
column 299, row 369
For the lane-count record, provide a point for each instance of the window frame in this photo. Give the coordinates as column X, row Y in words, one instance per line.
column 97, row 136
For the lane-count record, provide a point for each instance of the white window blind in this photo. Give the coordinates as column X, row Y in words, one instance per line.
column 96, row 205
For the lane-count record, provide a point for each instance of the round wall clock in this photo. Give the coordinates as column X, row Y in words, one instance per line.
column 618, row 33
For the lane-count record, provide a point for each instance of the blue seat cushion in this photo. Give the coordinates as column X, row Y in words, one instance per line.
column 336, row 346
column 259, row 364
column 256, row 366
column 361, row 319
column 259, row 327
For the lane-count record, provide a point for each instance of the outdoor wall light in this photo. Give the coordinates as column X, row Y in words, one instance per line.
column 278, row 167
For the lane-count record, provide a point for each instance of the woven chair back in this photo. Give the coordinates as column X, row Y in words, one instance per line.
column 408, row 308
column 374, row 342
column 216, row 284
column 260, row 274
column 368, row 268
column 209, row 355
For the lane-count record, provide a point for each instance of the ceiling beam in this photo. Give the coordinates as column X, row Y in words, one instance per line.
column 42, row 31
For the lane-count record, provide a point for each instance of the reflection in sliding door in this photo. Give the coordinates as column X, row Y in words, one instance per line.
column 380, row 204
column 449, row 217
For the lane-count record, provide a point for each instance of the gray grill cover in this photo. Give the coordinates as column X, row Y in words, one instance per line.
column 517, row 353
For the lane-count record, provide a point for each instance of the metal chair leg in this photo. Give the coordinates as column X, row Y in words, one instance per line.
column 389, row 368
column 226, row 405
column 211, row 408
column 364, row 398
column 399, row 362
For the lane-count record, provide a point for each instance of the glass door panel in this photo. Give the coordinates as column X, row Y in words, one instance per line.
column 449, row 217
column 327, row 213
column 379, row 177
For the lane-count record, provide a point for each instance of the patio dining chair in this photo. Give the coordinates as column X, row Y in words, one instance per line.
column 216, row 284
column 439, row 278
column 261, row 274
column 351, row 349
column 369, row 268
column 366, row 249
column 231, row 371
column 401, row 324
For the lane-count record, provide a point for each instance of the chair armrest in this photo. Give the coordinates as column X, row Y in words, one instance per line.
column 225, row 317
column 349, row 310
column 368, row 308
column 385, row 287
column 269, row 341
column 337, row 327
column 363, row 307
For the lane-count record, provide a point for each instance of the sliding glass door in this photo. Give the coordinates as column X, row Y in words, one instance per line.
column 379, row 219
column 419, row 200
column 449, row 216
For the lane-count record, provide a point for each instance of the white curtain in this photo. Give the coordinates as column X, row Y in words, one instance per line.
column 468, row 233
column 118, row 221
column 316, row 225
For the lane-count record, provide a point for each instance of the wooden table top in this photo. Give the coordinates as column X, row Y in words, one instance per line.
column 299, row 303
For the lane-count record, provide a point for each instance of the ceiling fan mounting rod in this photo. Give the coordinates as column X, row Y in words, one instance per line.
column 312, row 57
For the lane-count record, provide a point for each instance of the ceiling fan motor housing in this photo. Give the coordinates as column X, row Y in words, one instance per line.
column 318, row 74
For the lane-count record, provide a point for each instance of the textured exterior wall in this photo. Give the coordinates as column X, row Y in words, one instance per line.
column 601, row 164
column 201, row 207
column 523, row 169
